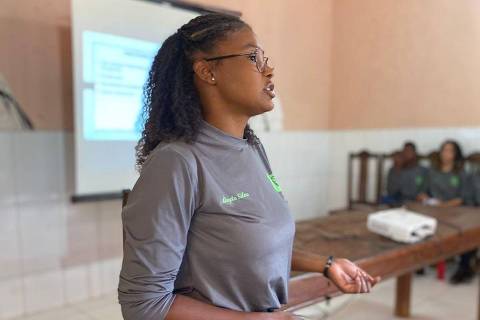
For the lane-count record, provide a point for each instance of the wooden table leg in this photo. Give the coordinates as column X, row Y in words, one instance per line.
column 402, row 303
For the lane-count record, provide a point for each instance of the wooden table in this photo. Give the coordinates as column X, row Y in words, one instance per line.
column 345, row 235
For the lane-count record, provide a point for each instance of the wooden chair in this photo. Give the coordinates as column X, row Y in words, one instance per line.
column 365, row 175
column 429, row 159
column 472, row 163
column 362, row 196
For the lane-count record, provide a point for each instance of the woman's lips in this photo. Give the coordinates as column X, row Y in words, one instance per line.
column 269, row 90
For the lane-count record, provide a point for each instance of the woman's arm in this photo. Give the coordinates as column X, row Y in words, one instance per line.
column 307, row 262
column 422, row 197
column 426, row 188
column 452, row 203
column 186, row 308
column 347, row 276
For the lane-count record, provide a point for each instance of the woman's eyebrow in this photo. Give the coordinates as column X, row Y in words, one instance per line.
column 251, row 45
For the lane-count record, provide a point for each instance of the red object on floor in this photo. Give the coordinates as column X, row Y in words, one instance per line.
column 441, row 270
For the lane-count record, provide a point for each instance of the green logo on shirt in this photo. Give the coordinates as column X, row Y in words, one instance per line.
column 455, row 181
column 418, row 181
column 231, row 199
column 274, row 182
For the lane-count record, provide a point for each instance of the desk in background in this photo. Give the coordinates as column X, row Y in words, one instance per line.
column 345, row 235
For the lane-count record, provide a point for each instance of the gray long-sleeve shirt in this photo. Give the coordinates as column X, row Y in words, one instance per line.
column 207, row 220
column 446, row 186
column 406, row 184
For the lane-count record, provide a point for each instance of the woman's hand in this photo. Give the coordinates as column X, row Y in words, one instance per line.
column 349, row 278
column 422, row 197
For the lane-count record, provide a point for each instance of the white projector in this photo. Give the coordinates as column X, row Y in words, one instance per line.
column 401, row 225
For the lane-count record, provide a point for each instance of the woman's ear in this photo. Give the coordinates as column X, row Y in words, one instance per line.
column 202, row 70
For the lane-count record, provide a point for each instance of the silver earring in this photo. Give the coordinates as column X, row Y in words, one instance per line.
column 213, row 79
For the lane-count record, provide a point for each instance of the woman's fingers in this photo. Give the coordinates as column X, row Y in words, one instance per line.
column 356, row 280
column 357, row 287
column 359, row 282
column 365, row 286
column 363, row 281
column 371, row 280
column 367, row 282
column 366, row 278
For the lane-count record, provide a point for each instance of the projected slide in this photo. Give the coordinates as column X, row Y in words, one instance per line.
column 114, row 71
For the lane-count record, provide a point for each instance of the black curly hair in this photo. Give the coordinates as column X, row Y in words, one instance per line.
column 459, row 159
column 172, row 108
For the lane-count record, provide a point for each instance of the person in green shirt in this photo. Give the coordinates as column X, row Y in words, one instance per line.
column 447, row 186
column 407, row 178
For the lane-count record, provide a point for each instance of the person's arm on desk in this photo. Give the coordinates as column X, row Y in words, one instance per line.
column 346, row 275
column 451, row 203
column 422, row 197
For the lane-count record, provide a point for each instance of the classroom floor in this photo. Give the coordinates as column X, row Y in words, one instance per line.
column 432, row 299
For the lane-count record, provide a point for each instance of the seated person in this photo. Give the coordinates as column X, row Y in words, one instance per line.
column 474, row 190
column 447, row 187
column 406, row 179
column 393, row 196
column 447, row 183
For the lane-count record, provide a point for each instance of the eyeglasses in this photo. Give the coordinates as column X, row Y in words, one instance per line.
column 257, row 56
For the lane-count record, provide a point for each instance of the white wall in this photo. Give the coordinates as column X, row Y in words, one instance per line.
column 341, row 142
column 300, row 162
column 75, row 249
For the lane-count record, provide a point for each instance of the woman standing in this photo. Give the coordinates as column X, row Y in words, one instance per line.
column 208, row 232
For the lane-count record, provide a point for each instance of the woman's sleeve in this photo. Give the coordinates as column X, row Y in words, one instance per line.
column 156, row 221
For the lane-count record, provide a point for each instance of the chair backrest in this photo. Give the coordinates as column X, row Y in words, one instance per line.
column 428, row 159
column 472, row 163
column 364, row 178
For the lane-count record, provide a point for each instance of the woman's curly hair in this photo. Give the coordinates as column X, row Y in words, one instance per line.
column 458, row 161
column 172, row 109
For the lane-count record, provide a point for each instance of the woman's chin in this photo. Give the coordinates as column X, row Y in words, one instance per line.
column 268, row 106
column 262, row 107
column 265, row 108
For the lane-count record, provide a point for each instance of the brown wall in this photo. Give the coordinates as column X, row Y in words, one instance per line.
column 36, row 58
column 409, row 63
column 340, row 64
column 297, row 36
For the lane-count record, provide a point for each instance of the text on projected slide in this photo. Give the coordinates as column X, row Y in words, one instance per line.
column 115, row 69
